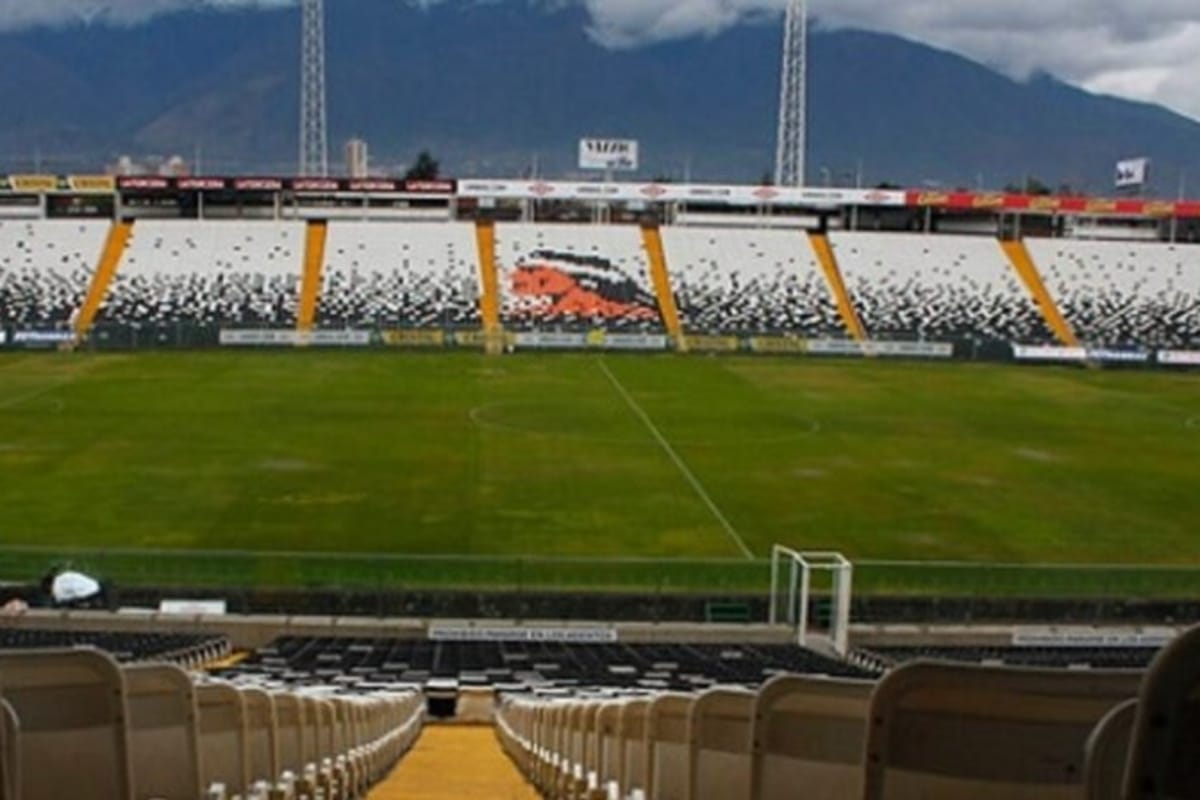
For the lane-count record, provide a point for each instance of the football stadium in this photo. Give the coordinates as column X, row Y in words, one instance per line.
column 317, row 487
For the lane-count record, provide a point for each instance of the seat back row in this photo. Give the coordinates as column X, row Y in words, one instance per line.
column 927, row 730
column 74, row 723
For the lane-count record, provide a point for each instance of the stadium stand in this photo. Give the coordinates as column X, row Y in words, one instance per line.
column 749, row 282
column 243, row 274
column 720, row 732
column 296, row 661
column 1106, row 753
column 1164, row 759
column 187, row 650
column 908, row 286
column 942, row 730
column 69, row 701
column 422, row 275
column 163, row 741
column 1123, row 295
column 809, row 732
column 574, row 277
column 149, row 731
column 45, row 270
column 10, row 748
column 882, row 658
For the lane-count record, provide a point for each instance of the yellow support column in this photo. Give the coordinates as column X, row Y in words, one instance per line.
column 661, row 277
column 489, row 298
column 837, row 286
column 1022, row 261
column 314, row 264
column 106, row 270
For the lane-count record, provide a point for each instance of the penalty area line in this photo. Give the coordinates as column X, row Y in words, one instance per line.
column 680, row 464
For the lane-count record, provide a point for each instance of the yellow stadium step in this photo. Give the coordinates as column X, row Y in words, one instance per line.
column 314, row 263
column 455, row 762
column 837, row 285
column 1022, row 261
column 106, row 270
column 656, row 254
column 489, row 296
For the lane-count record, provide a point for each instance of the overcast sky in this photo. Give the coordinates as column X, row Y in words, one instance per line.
column 1141, row 49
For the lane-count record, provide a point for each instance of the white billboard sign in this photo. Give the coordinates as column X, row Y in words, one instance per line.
column 707, row 194
column 616, row 155
column 1133, row 173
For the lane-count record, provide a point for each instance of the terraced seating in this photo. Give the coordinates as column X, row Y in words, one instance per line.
column 926, row 730
column 1124, row 294
column 46, row 269
column 186, row 650
column 514, row 666
column 1048, row 657
column 412, row 275
column 943, row 287
column 575, row 277
column 750, row 282
column 208, row 273
column 83, row 726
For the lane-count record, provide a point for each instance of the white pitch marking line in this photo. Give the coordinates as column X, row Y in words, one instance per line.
column 679, row 462
column 12, row 402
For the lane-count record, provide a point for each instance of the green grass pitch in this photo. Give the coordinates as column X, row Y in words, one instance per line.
column 597, row 456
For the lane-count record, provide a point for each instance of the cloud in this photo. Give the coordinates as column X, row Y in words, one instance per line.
column 1144, row 50
column 17, row 14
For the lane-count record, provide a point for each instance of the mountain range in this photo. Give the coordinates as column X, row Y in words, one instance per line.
column 495, row 88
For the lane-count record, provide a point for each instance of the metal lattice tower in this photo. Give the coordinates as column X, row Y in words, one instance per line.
column 793, row 97
column 314, row 139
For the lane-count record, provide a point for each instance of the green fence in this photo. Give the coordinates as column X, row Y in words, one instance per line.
column 393, row 573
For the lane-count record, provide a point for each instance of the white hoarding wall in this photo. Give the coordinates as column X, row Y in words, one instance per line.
column 292, row 338
column 845, row 347
column 1079, row 354
column 1179, row 358
column 694, row 193
column 472, row 633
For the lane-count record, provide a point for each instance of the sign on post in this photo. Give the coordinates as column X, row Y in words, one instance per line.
column 612, row 155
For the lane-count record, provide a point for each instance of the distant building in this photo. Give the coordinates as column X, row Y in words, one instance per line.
column 358, row 164
column 171, row 167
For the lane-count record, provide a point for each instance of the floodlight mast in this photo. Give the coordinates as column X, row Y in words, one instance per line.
column 793, row 98
column 314, row 139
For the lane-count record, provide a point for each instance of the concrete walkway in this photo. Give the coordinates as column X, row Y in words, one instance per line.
column 455, row 762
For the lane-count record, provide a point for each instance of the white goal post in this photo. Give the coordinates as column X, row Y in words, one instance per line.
column 793, row 589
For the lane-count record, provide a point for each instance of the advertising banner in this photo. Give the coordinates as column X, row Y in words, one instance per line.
column 143, row 183
column 292, row 338
column 608, row 154
column 632, row 341
column 1048, row 353
column 414, row 338
column 34, row 184
column 845, row 347
column 202, row 184
column 1091, row 637
column 537, row 340
column 778, row 344
column 92, row 184
column 501, row 633
column 1078, row 354
column 713, row 344
column 42, row 338
column 1174, row 358
column 258, row 184
column 697, row 194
